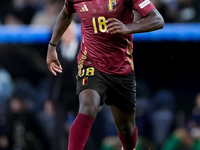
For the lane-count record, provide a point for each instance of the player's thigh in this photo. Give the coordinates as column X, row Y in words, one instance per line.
column 124, row 122
column 89, row 97
column 89, row 101
column 90, row 86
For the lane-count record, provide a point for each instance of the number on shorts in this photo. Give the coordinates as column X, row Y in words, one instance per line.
column 89, row 72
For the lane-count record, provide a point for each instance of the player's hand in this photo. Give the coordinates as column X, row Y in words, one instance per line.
column 116, row 26
column 52, row 60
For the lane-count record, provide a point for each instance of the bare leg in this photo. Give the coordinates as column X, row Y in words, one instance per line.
column 125, row 124
column 89, row 101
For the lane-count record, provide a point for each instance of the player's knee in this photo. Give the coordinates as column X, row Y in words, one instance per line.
column 126, row 128
column 88, row 108
column 88, row 104
column 89, row 101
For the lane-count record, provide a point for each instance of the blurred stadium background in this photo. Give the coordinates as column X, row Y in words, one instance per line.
column 166, row 65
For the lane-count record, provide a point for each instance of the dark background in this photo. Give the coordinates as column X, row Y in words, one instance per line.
column 171, row 65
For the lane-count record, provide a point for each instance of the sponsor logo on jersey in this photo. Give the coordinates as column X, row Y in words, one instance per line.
column 144, row 3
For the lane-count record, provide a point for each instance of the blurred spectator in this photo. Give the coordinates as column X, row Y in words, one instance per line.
column 6, row 88
column 188, row 10
column 163, row 116
column 11, row 19
column 189, row 135
column 179, row 10
column 46, row 119
column 63, row 87
column 18, row 12
column 41, row 91
column 22, row 131
column 13, row 12
column 24, row 89
column 111, row 143
column 143, row 116
column 4, row 6
column 167, row 8
column 44, row 12
column 48, row 15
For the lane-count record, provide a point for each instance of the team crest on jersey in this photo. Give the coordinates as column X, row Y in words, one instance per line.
column 112, row 5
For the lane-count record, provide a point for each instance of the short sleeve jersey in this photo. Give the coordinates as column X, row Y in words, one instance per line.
column 109, row 53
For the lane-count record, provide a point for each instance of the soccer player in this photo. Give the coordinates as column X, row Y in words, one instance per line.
column 106, row 70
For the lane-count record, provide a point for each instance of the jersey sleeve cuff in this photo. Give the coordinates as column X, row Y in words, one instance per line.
column 143, row 7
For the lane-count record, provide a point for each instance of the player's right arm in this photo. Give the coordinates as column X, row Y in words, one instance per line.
column 62, row 23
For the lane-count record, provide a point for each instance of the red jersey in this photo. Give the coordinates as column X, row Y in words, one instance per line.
column 109, row 53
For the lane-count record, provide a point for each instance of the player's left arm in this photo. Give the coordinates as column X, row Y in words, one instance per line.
column 150, row 22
